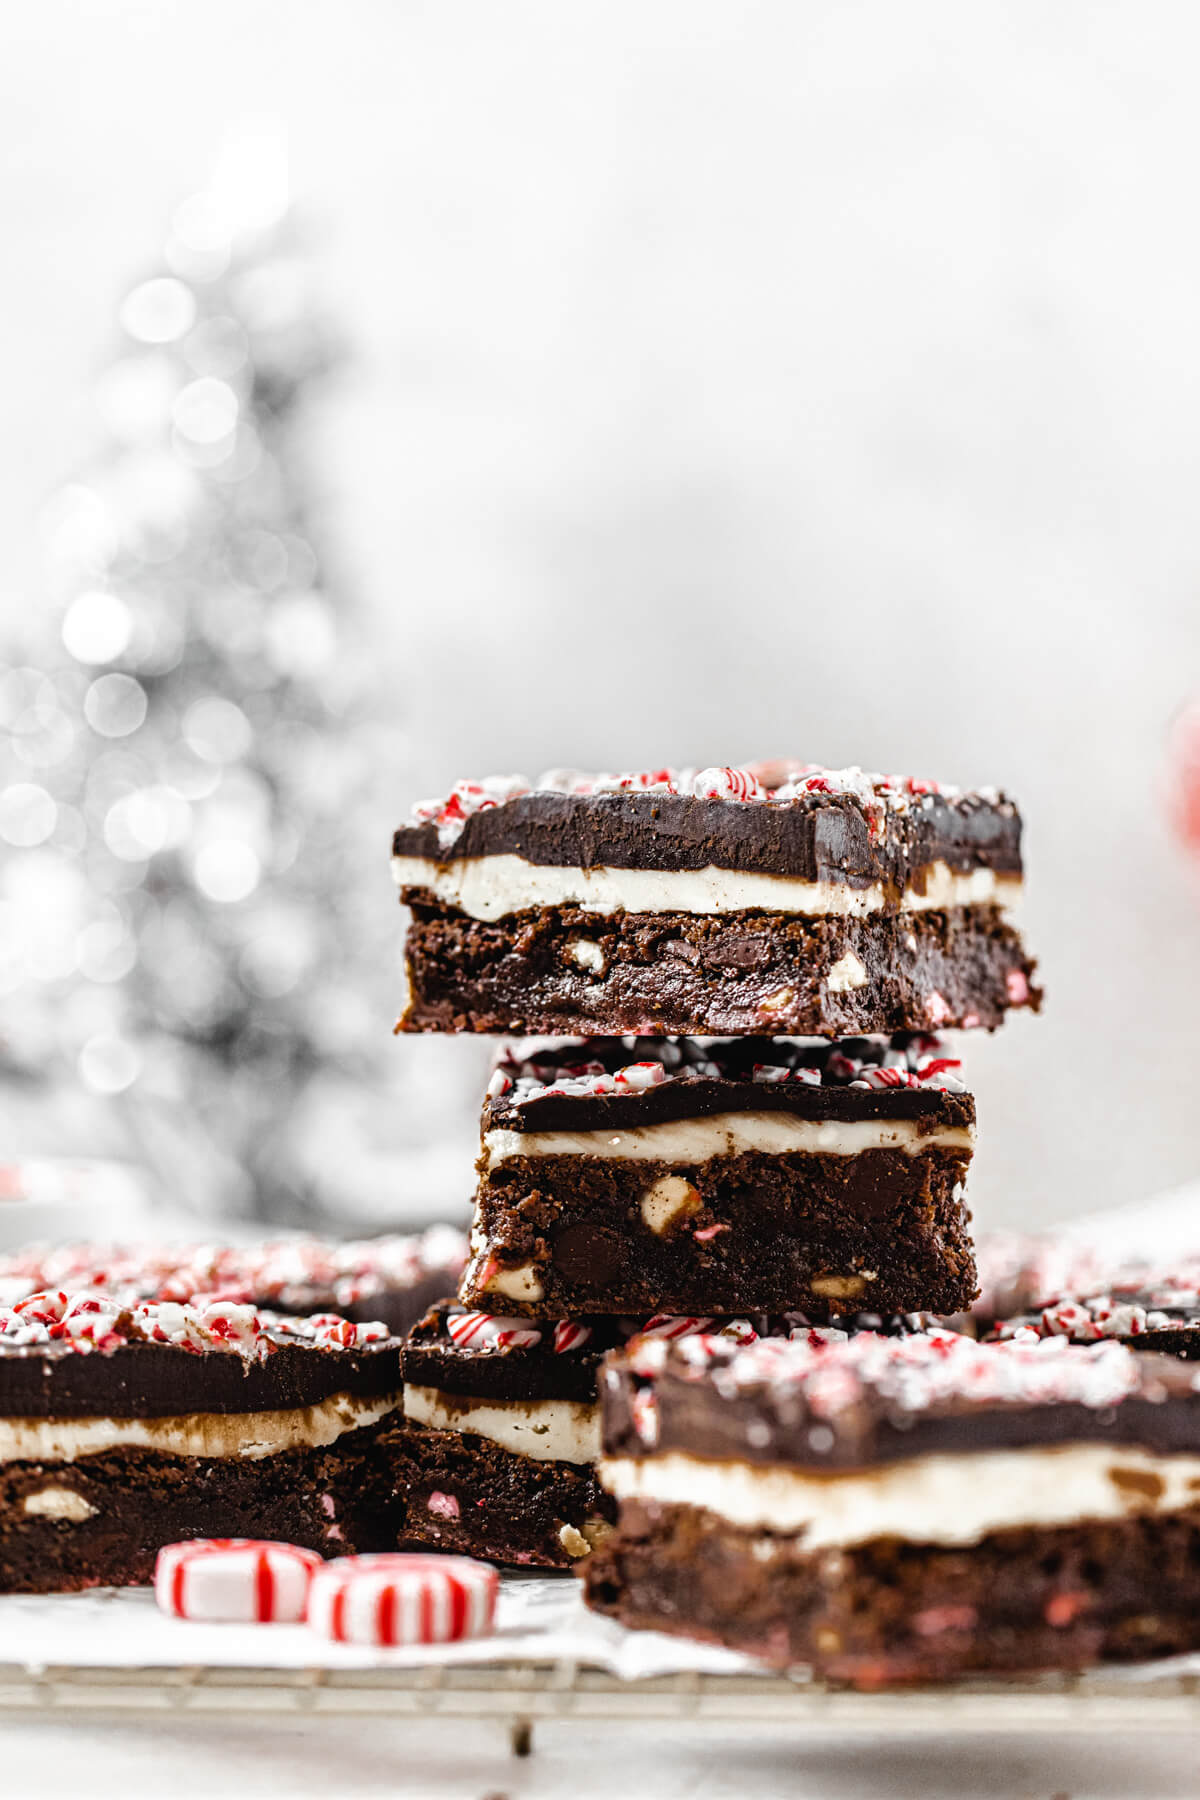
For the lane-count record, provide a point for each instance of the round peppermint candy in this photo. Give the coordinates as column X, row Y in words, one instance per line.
column 399, row 1599
column 235, row 1580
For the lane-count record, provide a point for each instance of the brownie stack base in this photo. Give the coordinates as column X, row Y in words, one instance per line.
column 464, row 1494
column 101, row 1520
column 883, row 1231
column 562, row 969
column 889, row 1612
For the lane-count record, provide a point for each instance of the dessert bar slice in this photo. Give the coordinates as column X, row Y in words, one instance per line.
column 904, row 1509
column 776, row 898
column 124, row 1428
column 749, row 1175
column 496, row 1457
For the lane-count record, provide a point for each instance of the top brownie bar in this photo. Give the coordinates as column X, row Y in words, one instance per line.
column 774, row 898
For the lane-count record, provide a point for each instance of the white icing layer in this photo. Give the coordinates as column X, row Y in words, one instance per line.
column 490, row 887
column 251, row 1435
column 547, row 1430
column 691, row 1141
column 939, row 1499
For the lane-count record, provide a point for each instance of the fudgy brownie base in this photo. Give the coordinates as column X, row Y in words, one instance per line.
column 890, row 1612
column 127, row 1503
column 881, row 1230
column 564, row 970
column 467, row 1495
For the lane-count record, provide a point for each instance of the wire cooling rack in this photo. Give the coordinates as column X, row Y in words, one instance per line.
column 522, row 1694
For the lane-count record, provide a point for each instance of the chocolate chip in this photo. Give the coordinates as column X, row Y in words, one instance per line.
column 588, row 1256
column 738, row 951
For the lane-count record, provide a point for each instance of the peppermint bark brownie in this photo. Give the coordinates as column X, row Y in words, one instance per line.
column 497, row 1454
column 777, row 898
column 126, row 1428
column 747, row 1175
column 904, row 1509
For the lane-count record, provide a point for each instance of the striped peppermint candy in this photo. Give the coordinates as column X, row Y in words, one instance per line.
column 398, row 1599
column 727, row 784
column 882, row 1077
column 479, row 1330
column 570, row 1336
column 235, row 1580
column 634, row 1077
column 665, row 1325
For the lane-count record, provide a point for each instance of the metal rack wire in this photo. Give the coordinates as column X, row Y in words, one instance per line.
column 520, row 1694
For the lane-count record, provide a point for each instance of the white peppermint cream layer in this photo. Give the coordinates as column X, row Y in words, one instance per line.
column 251, row 1435
column 547, row 1430
column 940, row 1499
column 490, row 887
column 690, row 1141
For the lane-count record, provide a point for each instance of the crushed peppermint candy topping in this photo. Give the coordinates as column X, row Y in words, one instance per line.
column 289, row 1274
column 91, row 1321
column 1132, row 1311
column 829, row 1375
column 591, row 1067
column 489, row 1331
column 668, row 1328
column 763, row 783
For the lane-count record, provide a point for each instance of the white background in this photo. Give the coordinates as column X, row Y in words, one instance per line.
column 815, row 379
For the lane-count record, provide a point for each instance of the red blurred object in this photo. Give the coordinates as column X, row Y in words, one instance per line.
column 1184, row 745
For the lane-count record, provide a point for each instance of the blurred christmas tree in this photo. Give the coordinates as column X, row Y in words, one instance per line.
column 189, row 930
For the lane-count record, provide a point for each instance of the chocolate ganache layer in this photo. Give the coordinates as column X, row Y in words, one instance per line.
column 626, row 1083
column 795, row 819
column 819, row 1405
column 64, row 1357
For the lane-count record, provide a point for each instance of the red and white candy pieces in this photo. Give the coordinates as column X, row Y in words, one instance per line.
column 399, row 1599
column 235, row 1581
column 376, row 1600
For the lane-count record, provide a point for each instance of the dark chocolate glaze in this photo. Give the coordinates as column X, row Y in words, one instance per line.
column 522, row 1372
column 539, row 1372
column 154, row 1381
column 687, row 1094
column 773, row 1424
column 821, row 837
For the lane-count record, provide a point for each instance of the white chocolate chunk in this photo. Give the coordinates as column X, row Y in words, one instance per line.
column 667, row 1199
column 586, row 955
column 846, row 973
column 59, row 1503
column 841, row 1287
column 518, row 1284
column 573, row 1541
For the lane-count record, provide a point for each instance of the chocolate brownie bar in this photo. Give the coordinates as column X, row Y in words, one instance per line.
column 497, row 1454
column 392, row 1278
column 750, row 1175
column 904, row 1509
column 1148, row 1312
column 777, row 898
column 123, row 1428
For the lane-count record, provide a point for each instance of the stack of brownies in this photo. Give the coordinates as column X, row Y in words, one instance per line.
column 800, row 1165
